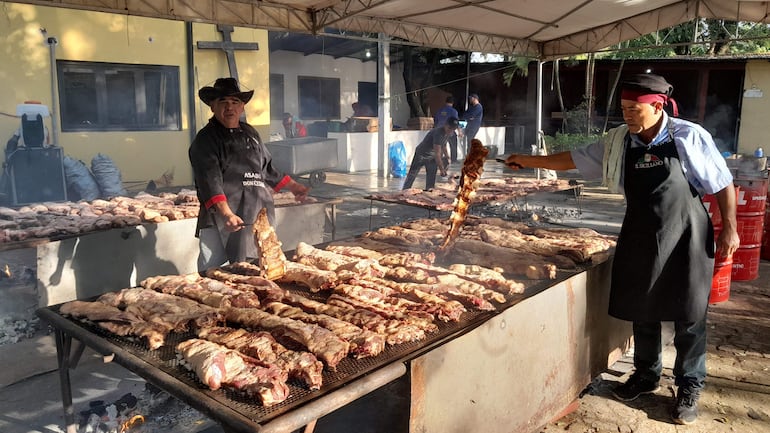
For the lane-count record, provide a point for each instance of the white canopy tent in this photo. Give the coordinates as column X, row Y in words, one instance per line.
column 543, row 29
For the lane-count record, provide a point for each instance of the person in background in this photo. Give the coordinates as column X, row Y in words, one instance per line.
column 665, row 253
column 473, row 115
column 362, row 110
column 233, row 172
column 293, row 127
column 441, row 116
column 431, row 153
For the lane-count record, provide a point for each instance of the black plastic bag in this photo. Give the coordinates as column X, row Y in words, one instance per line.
column 81, row 184
column 107, row 176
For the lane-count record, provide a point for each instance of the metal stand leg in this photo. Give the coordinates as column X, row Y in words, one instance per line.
column 310, row 427
column 333, row 220
column 371, row 204
column 63, row 346
column 578, row 196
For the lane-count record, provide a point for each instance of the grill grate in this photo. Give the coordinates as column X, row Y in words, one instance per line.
column 165, row 359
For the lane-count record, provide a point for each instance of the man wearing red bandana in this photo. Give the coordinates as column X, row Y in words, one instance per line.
column 665, row 253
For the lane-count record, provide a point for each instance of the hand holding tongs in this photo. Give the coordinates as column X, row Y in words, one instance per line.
column 513, row 165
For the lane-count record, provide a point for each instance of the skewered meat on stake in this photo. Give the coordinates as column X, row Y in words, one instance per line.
column 271, row 257
column 318, row 340
column 472, row 169
column 216, row 365
column 303, row 366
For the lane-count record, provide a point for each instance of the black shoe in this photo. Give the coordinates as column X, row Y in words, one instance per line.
column 634, row 387
column 686, row 409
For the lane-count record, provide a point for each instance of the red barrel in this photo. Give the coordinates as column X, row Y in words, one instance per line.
column 720, row 283
column 765, row 250
column 746, row 263
column 752, row 196
column 712, row 207
column 750, row 227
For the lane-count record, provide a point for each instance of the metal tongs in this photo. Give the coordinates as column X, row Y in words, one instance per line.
column 513, row 164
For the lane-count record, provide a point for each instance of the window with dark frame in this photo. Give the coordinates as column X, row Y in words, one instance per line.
column 319, row 98
column 97, row 96
column 276, row 97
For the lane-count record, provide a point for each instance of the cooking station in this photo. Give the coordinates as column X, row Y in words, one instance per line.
column 440, row 199
column 80, row 266
column 512, row 369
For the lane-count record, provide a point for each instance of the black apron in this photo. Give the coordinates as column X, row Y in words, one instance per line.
column 245, row 170
column 664, row 258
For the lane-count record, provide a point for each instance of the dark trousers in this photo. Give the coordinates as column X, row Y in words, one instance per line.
column 690, row 344
column 453, row 148
column 418, row 162
column 470, row 133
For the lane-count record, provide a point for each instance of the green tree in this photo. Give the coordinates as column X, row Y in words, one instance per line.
column 700, row 37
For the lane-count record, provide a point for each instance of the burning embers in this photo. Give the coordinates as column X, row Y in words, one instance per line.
column 151, row 411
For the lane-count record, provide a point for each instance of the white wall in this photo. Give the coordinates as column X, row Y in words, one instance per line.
column 357, row 151
column 350, row 71
column 291, row 64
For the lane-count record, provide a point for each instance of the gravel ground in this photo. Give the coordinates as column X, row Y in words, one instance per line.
column 737, row 393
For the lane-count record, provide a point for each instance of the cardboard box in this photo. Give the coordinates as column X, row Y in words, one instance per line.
column 421, row 123
column 363, row 124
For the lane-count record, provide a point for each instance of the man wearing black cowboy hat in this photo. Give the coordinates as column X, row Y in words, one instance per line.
column 664, row 259
column 233, row 170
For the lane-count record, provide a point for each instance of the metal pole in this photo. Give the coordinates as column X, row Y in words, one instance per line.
column 192, row 99
column 467, row 77
column 539, row 113
column 54, row 100
column 383, row 116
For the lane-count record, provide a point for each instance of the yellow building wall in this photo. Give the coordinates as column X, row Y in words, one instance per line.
column 253, row 73
column 754, row 111
column 100, row 37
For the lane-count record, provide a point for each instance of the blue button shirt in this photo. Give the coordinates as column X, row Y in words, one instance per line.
column 702, row 163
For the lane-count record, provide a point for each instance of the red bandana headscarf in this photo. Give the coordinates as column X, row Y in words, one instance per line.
column 647, row 89
column 649, row 98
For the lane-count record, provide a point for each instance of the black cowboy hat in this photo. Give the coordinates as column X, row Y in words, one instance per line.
column 221, row 88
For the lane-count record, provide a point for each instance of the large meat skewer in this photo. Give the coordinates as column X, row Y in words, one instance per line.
column 472, row 169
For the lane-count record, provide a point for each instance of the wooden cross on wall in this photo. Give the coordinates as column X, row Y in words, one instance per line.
column 228, row 46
